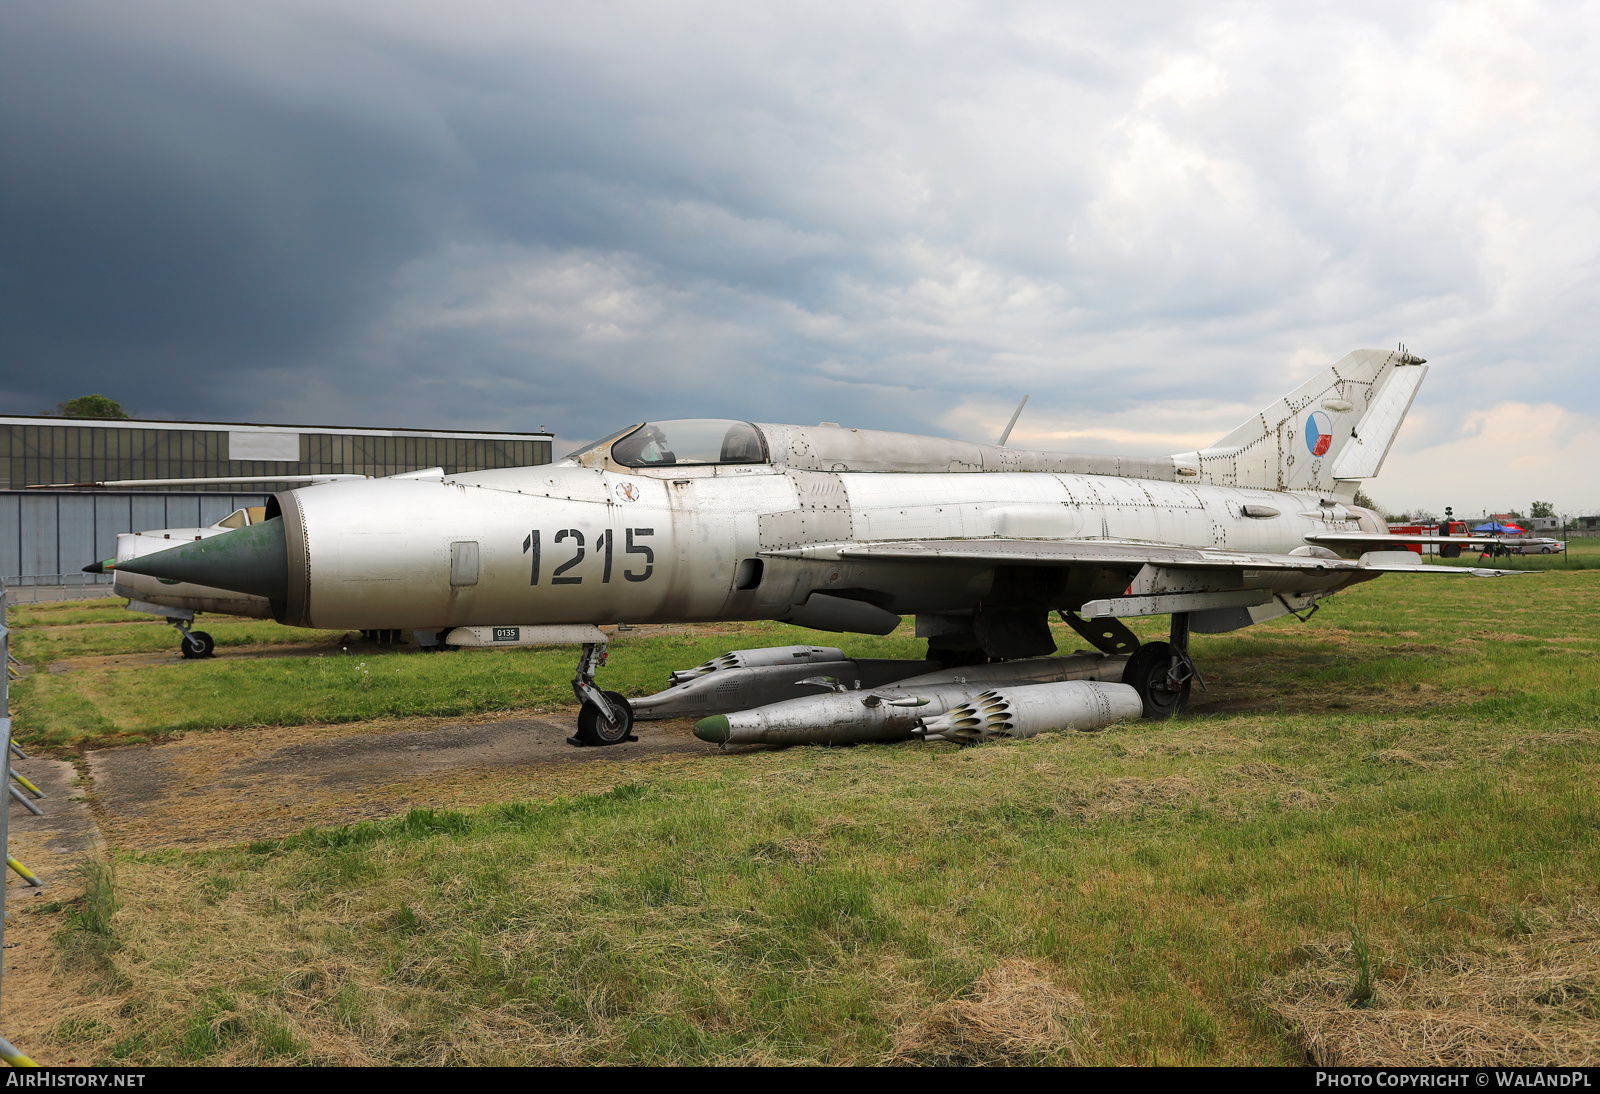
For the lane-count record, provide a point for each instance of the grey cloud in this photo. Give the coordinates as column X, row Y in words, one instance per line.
column 506, row 215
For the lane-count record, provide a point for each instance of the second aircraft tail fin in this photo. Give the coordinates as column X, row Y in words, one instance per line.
column 1336, row 427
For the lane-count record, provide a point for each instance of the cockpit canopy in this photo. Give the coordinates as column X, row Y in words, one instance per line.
column 688, row 441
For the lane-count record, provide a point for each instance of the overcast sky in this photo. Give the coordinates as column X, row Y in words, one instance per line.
column 1155, row 219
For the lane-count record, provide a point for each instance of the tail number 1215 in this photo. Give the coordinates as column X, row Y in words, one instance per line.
column 571, row 539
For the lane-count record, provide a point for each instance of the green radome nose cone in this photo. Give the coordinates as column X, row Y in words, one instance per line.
column 713, row 729
column 252, row 560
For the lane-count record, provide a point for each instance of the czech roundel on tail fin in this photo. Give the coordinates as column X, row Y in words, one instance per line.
column 1326, row 435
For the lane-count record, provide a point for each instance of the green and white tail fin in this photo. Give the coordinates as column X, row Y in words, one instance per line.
column 1327, row 434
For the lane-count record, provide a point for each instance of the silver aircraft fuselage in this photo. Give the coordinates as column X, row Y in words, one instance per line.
column 846, row 530
column 576, row 544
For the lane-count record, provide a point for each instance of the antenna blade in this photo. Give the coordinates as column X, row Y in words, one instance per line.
column 1012, row 423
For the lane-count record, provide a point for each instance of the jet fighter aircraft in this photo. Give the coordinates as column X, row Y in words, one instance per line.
column 175, row 601
column 851, row 530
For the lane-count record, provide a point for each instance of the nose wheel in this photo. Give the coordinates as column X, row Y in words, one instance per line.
column 194, row 645
column 197, row 645
column 605, row 718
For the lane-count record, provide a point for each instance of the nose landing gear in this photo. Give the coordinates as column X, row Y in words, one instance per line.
column 196, row 644
column 605, row 717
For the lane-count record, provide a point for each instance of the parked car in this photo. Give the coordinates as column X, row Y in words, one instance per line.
column 1536, row 546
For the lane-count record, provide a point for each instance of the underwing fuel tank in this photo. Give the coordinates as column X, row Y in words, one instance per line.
column 753, row 678
column 892, row 713
column 1036, row 708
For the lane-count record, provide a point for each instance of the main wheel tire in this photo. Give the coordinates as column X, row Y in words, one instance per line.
column 1546, row 550
column 1146, row 673
column 593, row 729
column 197, row 645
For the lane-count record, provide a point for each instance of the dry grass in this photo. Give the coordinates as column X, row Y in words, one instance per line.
column 1015, row 1014
column 1530, row 999
column 919, row 905
column 1131, row 896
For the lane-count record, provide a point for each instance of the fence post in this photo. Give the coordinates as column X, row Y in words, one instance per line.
column 8, row 1051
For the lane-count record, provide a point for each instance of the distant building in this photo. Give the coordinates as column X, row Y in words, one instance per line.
column 40, row 451
column 49, row 529
column 1587, row 522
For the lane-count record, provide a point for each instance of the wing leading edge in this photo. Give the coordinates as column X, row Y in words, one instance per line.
column 1222, row 589
column 1025, row 552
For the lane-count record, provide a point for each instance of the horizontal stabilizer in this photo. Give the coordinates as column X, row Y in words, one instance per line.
column 1335, row 539
column 1404, row 562
column 1351, row 544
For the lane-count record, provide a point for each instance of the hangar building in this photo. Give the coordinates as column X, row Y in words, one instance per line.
column 51, row 526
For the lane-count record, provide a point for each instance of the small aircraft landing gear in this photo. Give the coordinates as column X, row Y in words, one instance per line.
column 605, row 717
column 193, row 644
column 196, row 644
column 1163, row 672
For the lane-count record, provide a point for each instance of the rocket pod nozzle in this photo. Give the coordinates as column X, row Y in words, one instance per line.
column 895, row 711
column 1084, row 705
column 761, row 658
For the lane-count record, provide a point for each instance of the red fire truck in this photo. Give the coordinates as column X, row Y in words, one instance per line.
column 1442, row 528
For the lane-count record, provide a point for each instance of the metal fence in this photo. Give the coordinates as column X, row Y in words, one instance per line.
column 46, row 594
column 48, row 536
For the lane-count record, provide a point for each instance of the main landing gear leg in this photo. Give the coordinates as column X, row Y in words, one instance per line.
column 1163, row 672
column 605, row 717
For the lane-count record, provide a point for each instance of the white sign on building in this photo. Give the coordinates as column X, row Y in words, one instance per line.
column 281, row 447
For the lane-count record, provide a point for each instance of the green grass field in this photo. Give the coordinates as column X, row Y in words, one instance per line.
column 1582, row 553
column 1391, row 812
column 1424, row 642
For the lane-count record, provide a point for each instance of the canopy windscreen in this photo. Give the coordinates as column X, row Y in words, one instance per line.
column 690, row 441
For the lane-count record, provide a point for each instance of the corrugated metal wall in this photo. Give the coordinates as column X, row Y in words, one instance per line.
column 48, row 536
column 78, row 452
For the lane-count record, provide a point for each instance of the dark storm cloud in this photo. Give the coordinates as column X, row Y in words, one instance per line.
column 167, row 231
column 512, row 215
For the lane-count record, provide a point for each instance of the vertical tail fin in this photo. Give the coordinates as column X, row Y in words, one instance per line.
column 1336, row 427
